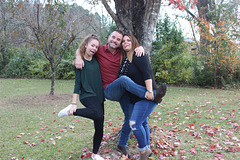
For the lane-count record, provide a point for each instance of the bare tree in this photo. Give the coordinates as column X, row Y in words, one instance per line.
column 51, row 28
column 9, row 29
column 3, row 31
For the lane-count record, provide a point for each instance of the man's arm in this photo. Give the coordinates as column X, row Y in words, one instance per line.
column 79, row 63
column 139, row 51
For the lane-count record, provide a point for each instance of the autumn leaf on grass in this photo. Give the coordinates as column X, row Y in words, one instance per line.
column 197, row 135
column 84, row 149
column 107, row 150
column 17, row 136
column 193, row 151
column 222, row 118
column 85, row 155
column 218, row 155
column 124, row 158
column 71, row 126
column 32, row 144
column 169, row 124
column 210, row 132
column 53, row 142
column 191, row 125
column 232, row 149
column 182, row 152
column 212, row 147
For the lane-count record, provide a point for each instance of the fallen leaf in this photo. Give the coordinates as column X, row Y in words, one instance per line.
column 107, row 150
column 84, row 149
column 193, row 151
column 182, row 152
column 53, row 142
column 71, row 126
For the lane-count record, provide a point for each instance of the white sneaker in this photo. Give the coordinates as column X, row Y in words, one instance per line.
column 64, row 112
column 97, row 157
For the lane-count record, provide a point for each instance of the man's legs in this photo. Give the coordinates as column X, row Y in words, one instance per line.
column 117, row 88
column 127, row 108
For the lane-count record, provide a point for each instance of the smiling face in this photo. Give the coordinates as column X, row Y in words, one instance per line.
column 114, row 40
column 126, row 44
column 91, row 47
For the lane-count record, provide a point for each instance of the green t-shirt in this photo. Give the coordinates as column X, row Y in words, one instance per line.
column 88, row 81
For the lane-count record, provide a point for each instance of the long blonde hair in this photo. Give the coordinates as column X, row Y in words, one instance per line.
column 135, row 44
column 86, row 40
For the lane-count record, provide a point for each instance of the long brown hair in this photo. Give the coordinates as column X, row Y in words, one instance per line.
column 135, row 44
column 86, row 40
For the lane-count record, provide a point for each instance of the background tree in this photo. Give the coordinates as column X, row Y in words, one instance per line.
column 10, row 30
column 204, row 7
column 218, row 26
column 138, row 17
column 3, row 31
column 51, row 28
column 170, row 61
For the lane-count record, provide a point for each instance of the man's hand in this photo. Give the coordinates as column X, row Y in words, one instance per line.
column 79, row 63
column 139, row 51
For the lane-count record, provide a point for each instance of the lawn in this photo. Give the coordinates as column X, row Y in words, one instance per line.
column 190, row 123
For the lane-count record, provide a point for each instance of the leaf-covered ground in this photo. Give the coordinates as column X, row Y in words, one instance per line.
column 190, row 123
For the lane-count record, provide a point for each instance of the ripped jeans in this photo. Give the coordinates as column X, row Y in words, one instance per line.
column 139, row 122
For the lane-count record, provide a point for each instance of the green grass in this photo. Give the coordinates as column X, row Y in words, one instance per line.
column 30, row 128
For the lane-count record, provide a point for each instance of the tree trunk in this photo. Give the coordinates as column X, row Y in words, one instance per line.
column 53, row 78
column 204, row 6
column 3, row 32
column 138, row 17
column 3, row 57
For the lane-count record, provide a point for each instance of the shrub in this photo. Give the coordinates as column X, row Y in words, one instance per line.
column 40, row 69
column 18, row 66
column 170, row 61
column 65, row 69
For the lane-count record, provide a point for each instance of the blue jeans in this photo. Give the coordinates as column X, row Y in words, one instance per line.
column 127, row 109
column 116, row 91
column 117, row 88
column 139, row 122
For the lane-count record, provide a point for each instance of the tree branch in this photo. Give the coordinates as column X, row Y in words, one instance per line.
column 109, row 10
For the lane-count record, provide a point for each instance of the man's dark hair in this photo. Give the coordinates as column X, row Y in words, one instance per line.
column 117, row 31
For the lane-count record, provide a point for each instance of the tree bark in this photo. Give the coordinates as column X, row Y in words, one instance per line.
column 138, row 17
column 3, row 30
column 53, row 78
column 204, row 6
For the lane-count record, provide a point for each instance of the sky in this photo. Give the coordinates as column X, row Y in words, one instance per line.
column 184, row 24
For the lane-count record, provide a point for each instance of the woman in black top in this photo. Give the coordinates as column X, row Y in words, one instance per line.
column 140, row 71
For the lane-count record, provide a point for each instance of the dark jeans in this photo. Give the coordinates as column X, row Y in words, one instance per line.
column 127, row 108
column 95, row 111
